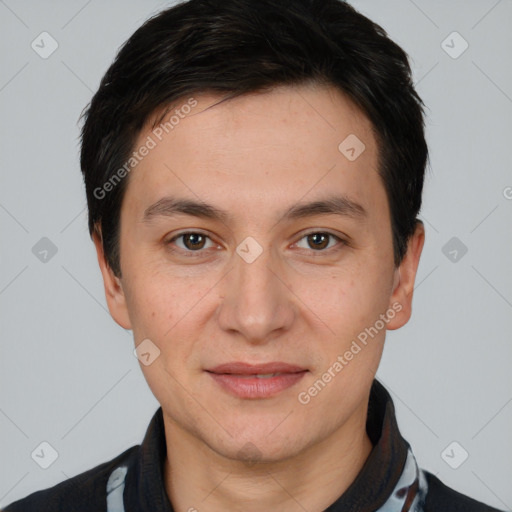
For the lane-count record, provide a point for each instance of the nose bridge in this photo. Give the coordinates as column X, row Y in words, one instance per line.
column 253, row 273
column 256, row 300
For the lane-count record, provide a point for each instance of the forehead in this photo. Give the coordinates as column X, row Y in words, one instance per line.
column 258, row 149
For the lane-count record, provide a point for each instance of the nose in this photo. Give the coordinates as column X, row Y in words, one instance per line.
column 258, row 302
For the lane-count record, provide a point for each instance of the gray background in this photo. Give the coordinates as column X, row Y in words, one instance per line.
column 68, row 375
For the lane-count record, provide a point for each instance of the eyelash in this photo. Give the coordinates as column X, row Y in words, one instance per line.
column 190, row 253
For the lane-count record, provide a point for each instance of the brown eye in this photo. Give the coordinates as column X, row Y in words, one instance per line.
column 318, row 241
column 191, row 242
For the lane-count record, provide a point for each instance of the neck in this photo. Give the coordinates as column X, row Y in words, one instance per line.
column 197, row 478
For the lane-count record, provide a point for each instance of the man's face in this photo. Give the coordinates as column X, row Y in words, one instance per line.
column 259, row 286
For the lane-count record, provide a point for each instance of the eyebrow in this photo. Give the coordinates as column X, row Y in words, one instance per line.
column 331, row 205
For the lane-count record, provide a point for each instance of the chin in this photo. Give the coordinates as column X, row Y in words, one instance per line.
column 253, row 455
column 260, row 448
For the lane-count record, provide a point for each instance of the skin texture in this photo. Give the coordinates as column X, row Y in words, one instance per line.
column 255, row 156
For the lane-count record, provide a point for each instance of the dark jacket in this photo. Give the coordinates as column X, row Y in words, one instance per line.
column 390, row 480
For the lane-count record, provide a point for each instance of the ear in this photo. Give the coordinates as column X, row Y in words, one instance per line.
column 405, row 276
column 114, row 292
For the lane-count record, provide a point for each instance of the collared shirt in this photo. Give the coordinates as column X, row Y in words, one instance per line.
column 389, row 481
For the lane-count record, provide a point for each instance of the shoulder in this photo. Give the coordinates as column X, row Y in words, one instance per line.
column 442, row 498
column 81, row 493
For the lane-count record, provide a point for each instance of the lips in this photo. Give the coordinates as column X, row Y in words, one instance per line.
column 245, row 380
column 238, row 368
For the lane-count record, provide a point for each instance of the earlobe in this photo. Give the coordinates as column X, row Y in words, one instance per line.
column 405, row 276
column 114, row 292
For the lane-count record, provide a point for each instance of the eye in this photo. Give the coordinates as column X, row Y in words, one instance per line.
column 195, row 242
column 319, row 240
column 192, row 241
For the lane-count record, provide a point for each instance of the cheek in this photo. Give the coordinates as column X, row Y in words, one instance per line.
column 350, row 306
column 170, row 311
column 358, row 295
column 153, row 305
